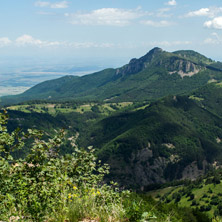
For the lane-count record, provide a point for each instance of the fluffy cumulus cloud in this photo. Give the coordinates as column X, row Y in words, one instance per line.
column 162, row 23
column 28, row 40
column 105, row 16
column 209, row 12
column 4, row 41
column 120, row 17
column 214, row 13
column 62, row 4
column 215, row 23
column 172, row 2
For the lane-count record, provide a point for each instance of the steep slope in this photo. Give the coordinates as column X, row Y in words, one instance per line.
column 156, row 74
column 175, row 137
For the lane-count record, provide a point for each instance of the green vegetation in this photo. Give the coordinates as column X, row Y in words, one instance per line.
column 196, row 98
column 45, row 186
column 203, row 194
column 194, row 56
column 68, row 107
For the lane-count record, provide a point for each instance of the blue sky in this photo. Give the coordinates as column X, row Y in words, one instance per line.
column 107, row 31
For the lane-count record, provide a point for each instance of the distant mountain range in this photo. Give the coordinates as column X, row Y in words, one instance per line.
column 156, row 74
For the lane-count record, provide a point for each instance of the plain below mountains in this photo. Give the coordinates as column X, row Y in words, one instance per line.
column 155, row 75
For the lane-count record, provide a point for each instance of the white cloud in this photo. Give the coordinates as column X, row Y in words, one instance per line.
column 28, row 40
column 215, row 23
column 200, row 12
column 4, row 41
column 171, row 3
column 62, row 4
column 105, row 16
column 162, row 23
column 209, row 12
column 42, row 4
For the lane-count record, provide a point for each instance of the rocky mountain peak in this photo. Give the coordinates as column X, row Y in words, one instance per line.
column 137, row 65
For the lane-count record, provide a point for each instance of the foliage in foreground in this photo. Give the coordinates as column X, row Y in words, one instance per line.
column 43, row 185
column 47, row 187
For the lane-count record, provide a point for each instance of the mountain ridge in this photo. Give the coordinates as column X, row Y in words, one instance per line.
column 152, row 76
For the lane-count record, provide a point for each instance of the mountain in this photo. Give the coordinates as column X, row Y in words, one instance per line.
column 176, row 137
column 154, row 75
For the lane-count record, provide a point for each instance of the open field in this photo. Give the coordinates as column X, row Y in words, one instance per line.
column 54, row 109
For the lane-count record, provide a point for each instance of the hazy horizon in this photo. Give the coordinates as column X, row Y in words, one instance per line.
column 37, row 35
